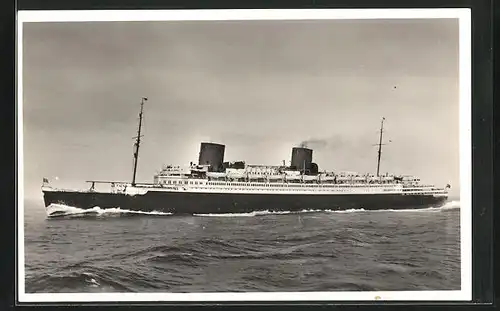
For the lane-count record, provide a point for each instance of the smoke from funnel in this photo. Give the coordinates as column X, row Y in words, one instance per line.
column 359, row 146
column 317, row 143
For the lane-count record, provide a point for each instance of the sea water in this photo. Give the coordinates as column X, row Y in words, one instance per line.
column 114, row 250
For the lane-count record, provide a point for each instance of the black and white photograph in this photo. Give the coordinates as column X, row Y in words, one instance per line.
column 244, row 155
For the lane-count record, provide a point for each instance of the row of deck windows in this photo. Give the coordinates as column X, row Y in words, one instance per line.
column 274, row 189
column 292, row 185
column 277, row 187
column 169, row 182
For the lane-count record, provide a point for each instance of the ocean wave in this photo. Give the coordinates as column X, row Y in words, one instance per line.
column 78, row 281
column 205, row 250
column 59, row 210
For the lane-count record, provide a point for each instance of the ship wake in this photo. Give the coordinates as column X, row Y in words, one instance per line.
column 447, row 206
column 61, row 210
column 452, row 205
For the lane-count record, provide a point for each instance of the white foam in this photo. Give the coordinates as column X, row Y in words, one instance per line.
column 352, row 210
column 262, row 213
column 66, row 210
column 94, row 283
column 451, row 205
column 447, row 206
column 257, row 213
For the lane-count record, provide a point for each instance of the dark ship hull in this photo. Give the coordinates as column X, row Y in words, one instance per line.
column 182, row 203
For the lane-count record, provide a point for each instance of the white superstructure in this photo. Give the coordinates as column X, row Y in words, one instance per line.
column 253, row 179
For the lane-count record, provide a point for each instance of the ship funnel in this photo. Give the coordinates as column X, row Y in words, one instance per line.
column 213, row 155
column 302, row 159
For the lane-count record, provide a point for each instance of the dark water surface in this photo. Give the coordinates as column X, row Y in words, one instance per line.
column 320, row 251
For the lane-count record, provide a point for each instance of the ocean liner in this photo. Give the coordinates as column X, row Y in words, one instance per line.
column 214, row 186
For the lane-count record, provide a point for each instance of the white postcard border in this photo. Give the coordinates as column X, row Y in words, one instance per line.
column 464, row 17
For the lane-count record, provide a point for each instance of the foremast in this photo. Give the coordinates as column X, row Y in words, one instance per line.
column 138, row 140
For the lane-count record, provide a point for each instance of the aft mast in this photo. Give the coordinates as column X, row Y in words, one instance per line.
column 380, row 145
column 138, row 140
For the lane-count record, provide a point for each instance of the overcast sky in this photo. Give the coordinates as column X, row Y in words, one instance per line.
column 259, row 87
